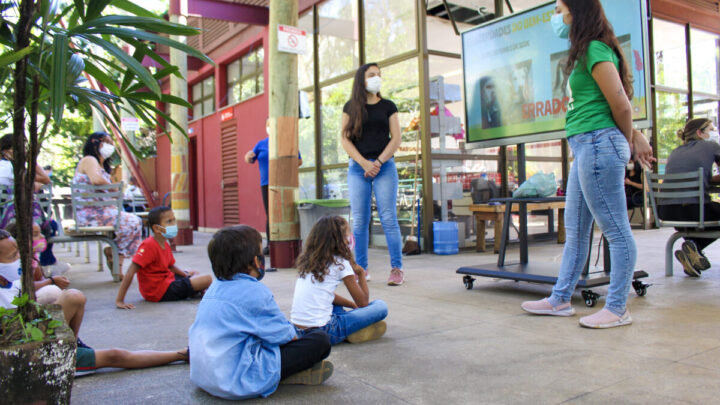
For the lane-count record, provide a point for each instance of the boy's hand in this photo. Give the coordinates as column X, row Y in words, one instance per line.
column 123, row 305
column 191, row 273
column 60, row 281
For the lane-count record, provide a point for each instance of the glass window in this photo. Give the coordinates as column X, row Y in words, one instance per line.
column 672, row 113
column 306, row 137
column 451, row 71
column 670, row 54
column 389, row 28
column 706, row 107
column 333, row 100
column 307, row 185
column 306, row 63
column 705, row 48
column 338, row 40
column 335, row 184
column 245, row 76
column 203, row 98
column 400, row 85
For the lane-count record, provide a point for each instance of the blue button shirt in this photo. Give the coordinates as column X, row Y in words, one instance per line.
column 235, row 339
column 261, row 156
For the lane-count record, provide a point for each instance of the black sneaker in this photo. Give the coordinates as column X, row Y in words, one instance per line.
column 698, row 260
column 687, row 266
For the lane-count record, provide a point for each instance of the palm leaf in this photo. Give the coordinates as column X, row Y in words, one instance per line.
column 133, row 8
column 101, row 77
column 10, row 57
column 133, row 65
column 58, row 75
column 145, row 23
column 95, row 7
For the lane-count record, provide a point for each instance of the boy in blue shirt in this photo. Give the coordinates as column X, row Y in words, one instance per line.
column 242, row 345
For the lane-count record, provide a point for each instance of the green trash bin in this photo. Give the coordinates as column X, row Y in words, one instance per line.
column 310, row 211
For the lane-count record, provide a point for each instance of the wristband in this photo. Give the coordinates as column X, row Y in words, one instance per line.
column 381, row 162
column 52, row 281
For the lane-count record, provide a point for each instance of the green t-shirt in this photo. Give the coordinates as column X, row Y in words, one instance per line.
column 588, row 109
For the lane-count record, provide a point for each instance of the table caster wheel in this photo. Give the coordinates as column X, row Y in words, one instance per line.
column 640, row 288
column 468, row 281
column 590, row 298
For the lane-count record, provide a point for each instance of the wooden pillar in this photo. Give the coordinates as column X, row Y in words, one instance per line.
column 179, row 175
column 283, row 143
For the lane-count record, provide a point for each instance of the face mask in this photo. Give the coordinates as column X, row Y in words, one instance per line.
column 561, row 29
column 10, row 271
column 106, row 150
column 261, row 268
column 630, row 166
column 373, row 84
column 351, row 242
column 713, row 136
column 39, row 245
column 171, row 231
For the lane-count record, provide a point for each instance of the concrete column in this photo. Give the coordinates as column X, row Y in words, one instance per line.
column 179, row 176
column 283, row 145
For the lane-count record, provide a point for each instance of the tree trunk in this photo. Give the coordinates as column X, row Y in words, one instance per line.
column 23, row 181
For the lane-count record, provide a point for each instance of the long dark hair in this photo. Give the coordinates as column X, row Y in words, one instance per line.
column 589, row 23
column 92, row 148
column 689, row 133
column 357, row 110
column 324, row 246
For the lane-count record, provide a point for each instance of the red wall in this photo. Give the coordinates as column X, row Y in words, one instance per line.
column 249, row 117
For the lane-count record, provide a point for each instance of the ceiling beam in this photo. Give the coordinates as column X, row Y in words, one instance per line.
column 232, row 12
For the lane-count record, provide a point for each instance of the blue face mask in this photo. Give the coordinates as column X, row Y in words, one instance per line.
column 170, row 232
column 261, row 268
column 561, row 29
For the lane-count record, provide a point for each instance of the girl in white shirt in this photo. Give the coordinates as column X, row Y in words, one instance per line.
column 327, row 261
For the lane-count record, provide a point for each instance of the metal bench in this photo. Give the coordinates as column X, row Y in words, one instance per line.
column 679, row 185
column 85, row 195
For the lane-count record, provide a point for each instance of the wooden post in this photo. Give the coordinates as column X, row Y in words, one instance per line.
column 179, row 183
column 283, row 143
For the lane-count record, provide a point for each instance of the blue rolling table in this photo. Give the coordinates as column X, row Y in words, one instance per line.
column 541, row 272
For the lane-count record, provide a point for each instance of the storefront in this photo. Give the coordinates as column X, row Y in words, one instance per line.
column 415, row 43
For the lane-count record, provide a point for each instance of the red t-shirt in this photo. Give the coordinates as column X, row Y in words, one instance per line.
column 154, row 275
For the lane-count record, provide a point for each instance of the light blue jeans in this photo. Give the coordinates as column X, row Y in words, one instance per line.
column 596, row 190
column 385, row 187
column 344, row 323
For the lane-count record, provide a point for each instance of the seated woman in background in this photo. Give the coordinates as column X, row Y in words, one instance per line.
column 94, row 168
column 700, row 148
column 7, row 182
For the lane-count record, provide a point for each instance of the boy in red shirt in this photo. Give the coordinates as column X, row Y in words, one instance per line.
column 158, row 277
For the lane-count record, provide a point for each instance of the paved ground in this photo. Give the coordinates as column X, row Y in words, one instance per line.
column 446, row 344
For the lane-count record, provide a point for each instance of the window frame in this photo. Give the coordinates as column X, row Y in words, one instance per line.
column 258, row 74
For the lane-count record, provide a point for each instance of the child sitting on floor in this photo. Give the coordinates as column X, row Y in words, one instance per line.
column 47, row 289
column 241, row 344
column 325, row 262
column 158, row 277
column 72, row 303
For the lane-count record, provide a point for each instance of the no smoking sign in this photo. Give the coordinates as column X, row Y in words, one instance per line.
column 291, row 39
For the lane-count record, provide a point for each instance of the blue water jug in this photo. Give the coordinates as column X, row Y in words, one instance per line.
column 445, row 237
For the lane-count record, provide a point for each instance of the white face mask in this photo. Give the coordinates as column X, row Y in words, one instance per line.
column 373, row 84
column 10, row 271
column 106, row 150
column 714, row 136
column 630, row 166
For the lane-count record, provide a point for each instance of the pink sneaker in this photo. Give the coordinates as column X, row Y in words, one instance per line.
column 396, row 277
column 543, row 307
column 604, row 319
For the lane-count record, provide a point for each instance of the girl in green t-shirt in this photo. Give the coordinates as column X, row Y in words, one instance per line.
column 602, row 138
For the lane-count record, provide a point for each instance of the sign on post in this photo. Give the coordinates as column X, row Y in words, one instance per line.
column 291, row 39
column 130, row 124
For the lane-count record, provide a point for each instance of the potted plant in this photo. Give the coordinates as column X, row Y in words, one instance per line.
column 47, row 46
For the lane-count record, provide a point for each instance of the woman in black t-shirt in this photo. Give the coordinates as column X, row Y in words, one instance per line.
column 371, row 135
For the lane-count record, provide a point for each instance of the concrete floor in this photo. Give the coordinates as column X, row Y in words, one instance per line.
column 446, row 344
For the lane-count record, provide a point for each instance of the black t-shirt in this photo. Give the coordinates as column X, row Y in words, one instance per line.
column 376, row 128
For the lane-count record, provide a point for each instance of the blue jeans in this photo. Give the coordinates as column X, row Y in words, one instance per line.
column 343, row 323
column 596, row 190
column 385, row 186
